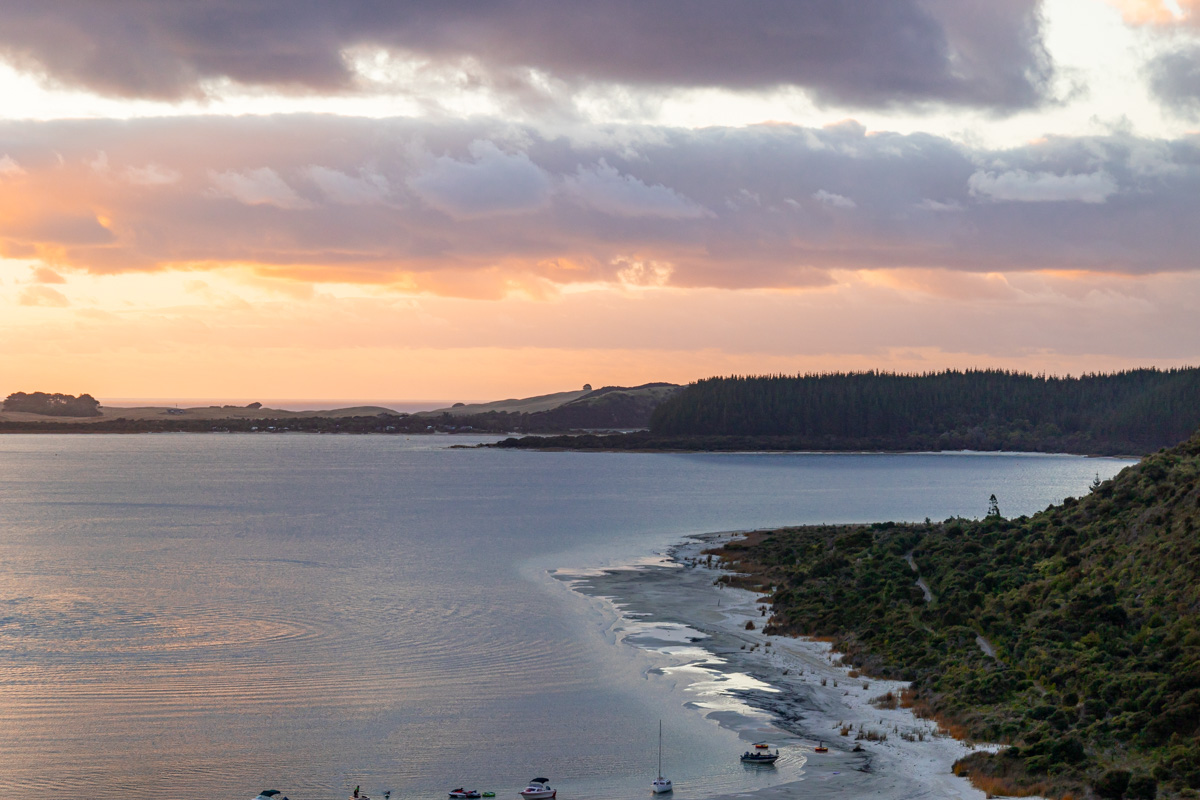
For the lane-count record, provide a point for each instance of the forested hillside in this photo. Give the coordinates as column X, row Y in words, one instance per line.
column 1091, row 610
column 1136, row 411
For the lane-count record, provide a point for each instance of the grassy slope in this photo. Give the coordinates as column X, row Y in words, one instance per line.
column 1093, row 608
column 524, row 405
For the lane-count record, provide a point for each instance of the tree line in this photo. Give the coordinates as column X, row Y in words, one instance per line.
column 53, row 405
column 1130, row 411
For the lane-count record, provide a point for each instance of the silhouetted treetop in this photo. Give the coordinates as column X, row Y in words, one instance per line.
column 1143, row 409
column 53, row 405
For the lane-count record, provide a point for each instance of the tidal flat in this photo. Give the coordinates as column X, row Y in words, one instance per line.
column 793, row 693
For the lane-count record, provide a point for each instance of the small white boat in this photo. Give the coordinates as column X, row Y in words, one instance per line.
column 760, row 758
column 538, row 789
column 660, row 785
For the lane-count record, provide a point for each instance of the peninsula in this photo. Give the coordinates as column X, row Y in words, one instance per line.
column 1121, row 413
column 608, row 408
column 1072, row 635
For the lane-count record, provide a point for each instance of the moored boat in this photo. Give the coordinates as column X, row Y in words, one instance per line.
column 660, row 785
column 465, row 794
column 760, row 758
column 538, row 789
column 270, row 794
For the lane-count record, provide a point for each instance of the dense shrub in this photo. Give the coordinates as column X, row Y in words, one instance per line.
column 1092, row 609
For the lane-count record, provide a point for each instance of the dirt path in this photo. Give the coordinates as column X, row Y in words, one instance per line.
column 920, row 581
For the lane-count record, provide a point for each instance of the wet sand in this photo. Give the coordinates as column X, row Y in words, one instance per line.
column 810, row 698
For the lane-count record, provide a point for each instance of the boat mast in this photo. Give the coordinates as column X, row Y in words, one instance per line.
column 660, row 749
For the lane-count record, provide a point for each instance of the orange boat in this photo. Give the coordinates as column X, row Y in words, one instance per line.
column 821, row 748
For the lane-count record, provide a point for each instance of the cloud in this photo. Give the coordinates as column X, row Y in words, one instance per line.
column 634, row 272
column 61, row 228
column 99, row 163
column 1174, row 78
column 833, row 200
column 338, row 187
column 43, row 296
column 47, row 275
column 1173, row 42
column 875, row 53
column 151, row 175
column 1158, row 12
column 1042, row 187
column 606, row 190
column 9, row 168
column 256, row 187
column 933, row 205
column 494, row 182
column 507, row 208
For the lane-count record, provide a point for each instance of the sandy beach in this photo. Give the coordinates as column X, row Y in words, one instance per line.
column 808, row 697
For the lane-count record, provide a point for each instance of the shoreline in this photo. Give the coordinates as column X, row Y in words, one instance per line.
column 101, row 427
column 809, row 697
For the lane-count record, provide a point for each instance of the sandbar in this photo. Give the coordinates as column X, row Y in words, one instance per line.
column 810, row 696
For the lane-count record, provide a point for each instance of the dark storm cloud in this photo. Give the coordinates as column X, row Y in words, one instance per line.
column 868, row 53
column 766, row 206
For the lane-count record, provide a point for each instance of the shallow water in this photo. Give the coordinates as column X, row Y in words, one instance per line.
column 205, row 616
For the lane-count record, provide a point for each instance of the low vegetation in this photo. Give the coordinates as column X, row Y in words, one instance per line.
column 1072, row 635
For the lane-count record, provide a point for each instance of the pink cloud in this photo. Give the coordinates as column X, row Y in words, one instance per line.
column 47, row 275
column 43, row 296
column 768, row 206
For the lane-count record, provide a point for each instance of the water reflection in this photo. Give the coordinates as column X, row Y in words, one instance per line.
column 201, row 616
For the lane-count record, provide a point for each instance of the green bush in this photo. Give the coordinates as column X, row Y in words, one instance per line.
column 1112, row 784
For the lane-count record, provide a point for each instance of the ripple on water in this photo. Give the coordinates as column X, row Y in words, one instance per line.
column 202, row 616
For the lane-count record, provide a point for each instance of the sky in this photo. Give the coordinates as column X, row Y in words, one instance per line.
column 411, row 201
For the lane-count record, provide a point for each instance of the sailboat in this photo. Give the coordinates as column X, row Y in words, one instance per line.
column 660, row 784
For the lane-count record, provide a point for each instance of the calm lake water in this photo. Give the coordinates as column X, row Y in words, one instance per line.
column 205, row 616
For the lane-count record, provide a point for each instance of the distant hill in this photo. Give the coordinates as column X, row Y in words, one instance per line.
column 1123, row 413
column 1090, row 609
column 527, row 405
column 1135, row 411
column 254, row 411
column 608, row 408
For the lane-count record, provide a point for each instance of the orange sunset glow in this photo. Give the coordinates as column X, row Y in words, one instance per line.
column 391, row 214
